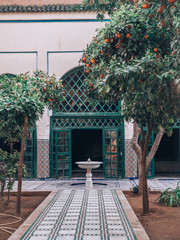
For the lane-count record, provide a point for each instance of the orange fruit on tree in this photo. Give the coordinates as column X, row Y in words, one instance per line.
column 91, row 85
column 87, row 65
column 106, row 40
column 102, row 52
column 84, row 59
column 171, row 1
column 118, row 35
column 101, row 76
column 128, row 35
column 162, row 8
column 155, row 49
column 92, row 61
column 172, row 53
column 146, row 36
column 145, row 5
column 87, row 71
column 50, row 82
column 49, row 99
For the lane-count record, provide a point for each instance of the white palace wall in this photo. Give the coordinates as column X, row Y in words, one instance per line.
column 52, row 42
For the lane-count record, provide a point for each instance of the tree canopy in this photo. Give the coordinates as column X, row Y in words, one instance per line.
column 25, row 95
column 135, row 58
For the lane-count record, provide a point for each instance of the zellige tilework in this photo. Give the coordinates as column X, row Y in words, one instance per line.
column 82, row 214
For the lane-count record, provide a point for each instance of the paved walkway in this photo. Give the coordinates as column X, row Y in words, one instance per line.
column 82, row 215
column 76, row 213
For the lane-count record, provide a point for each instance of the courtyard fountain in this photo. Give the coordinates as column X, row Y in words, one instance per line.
column 89, row 165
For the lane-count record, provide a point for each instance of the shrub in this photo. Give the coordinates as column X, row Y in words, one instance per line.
column 170, row 197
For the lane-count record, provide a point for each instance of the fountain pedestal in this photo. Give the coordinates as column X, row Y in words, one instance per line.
column 89, row 182
column 89, row 165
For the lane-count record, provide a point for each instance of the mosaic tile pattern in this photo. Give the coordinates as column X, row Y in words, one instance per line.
column 82, row 215
column 42, row 158
column 130, row 160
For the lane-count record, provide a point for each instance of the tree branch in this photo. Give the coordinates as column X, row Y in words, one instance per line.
column 149, row 130
column 134, row 140
column 154, row 147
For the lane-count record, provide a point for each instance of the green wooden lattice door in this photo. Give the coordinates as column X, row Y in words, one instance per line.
column 62, row 154
column 30, row 155
column 111, row 153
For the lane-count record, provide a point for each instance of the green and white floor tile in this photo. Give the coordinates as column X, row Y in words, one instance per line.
column 82, row 214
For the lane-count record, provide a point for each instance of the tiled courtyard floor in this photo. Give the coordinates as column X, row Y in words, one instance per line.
column 77, row 213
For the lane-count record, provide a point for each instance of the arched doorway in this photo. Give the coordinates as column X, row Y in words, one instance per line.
column 81, row 129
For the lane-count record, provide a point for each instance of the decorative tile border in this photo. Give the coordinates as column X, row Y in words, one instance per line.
column 82, row 215
column 42, row 158
column 46, row 8
column 130, row 160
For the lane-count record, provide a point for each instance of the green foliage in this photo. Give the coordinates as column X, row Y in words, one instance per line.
column 8, row 170
column 170, row 197
column 23, row 95
column 135, row 58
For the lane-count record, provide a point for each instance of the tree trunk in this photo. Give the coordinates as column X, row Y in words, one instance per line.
column 137, row 149
column 144, row 148
column 145, row 197
column 18, row 206
column 140, row 178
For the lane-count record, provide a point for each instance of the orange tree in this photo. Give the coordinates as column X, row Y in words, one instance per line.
column 135, row 58
column 22, row 101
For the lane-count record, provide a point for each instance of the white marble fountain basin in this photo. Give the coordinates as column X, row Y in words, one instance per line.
column 89, row 165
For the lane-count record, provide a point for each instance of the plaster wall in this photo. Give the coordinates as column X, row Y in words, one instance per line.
column 52, row 42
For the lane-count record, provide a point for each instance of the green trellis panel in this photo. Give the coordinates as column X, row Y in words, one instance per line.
column 75, row 97
column 177, row 124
